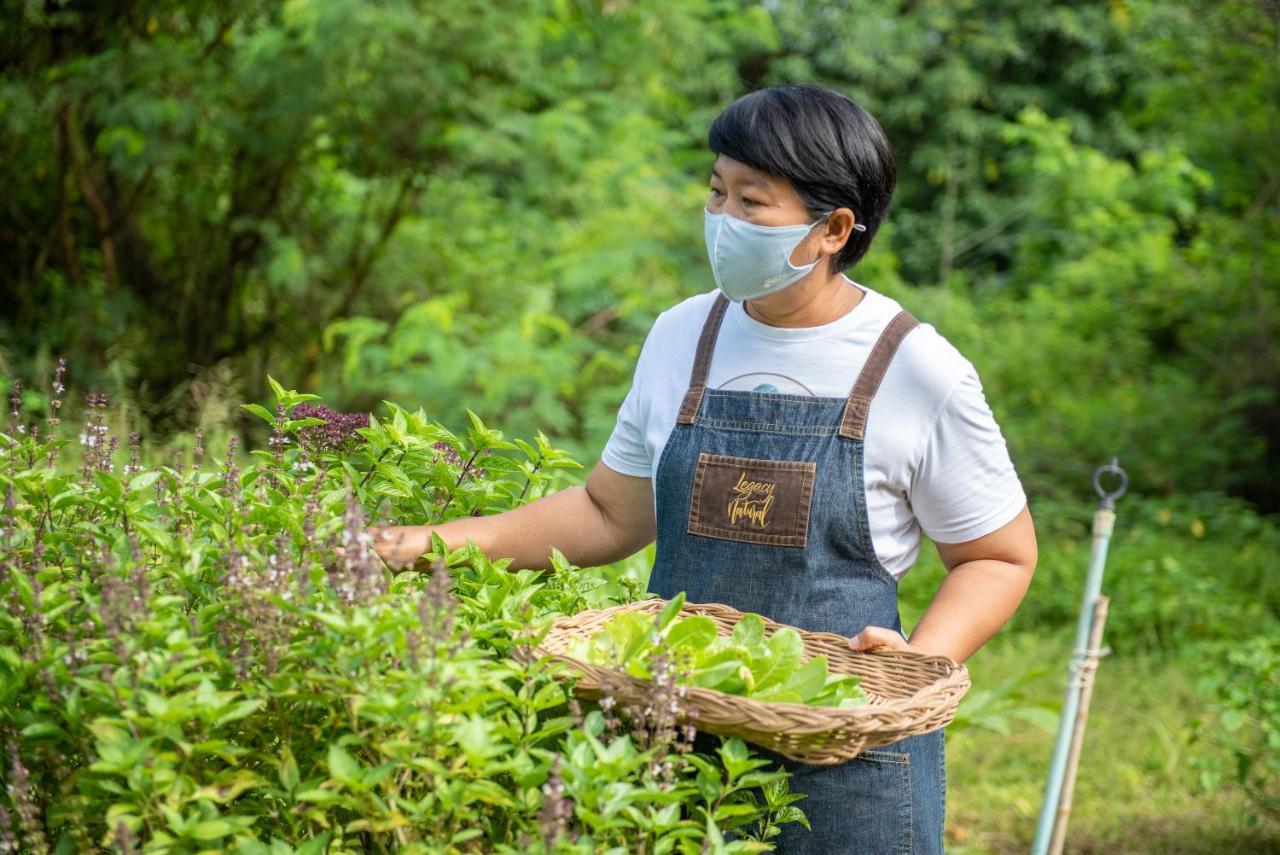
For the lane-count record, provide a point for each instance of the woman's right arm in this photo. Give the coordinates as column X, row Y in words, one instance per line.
column 605, row 520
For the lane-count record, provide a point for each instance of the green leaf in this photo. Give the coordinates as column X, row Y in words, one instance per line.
column 110, row 484
column 736, row 758
column 804, row 682
column 154, row 534
column 749, row 631
column 692, row 634
column 474, row 738
column 399, row 426
column 212, row 829
column 43, row 729
column 318, row 796
column 261, row 412
column 714, row 667
column 329, row 619
column 343, row 766
column 143, row 480
column 288, row 769
column 228, row 788
column 733, row 810
column 790, row 813
column 669, row 612
column 315, row 846
column 244, row 709
column 783, row 651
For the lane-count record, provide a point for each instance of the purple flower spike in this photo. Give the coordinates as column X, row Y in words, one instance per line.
column 338, row 431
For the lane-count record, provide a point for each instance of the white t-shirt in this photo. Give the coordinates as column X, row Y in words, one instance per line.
column 935, row 460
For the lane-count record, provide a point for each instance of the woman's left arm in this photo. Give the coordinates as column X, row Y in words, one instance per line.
column 986, row 580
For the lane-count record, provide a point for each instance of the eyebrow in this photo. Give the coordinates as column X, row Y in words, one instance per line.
column 749, row 179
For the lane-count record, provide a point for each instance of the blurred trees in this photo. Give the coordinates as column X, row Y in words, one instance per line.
column 485, row 205
column 1094, row 191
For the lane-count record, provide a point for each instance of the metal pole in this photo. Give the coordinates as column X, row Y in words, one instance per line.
column 1103, row 523
column 1085, row 679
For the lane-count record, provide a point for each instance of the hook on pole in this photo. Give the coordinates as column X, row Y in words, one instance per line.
column 1108, row 497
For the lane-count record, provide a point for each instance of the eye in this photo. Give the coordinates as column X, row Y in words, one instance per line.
column 746, row 200
column 716, row 191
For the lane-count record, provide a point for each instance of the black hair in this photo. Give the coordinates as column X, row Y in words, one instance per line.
column 831, row 150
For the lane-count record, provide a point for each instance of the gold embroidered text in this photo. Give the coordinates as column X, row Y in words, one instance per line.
column 752, row 501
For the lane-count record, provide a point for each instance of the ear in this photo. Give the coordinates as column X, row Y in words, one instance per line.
column 836, row 233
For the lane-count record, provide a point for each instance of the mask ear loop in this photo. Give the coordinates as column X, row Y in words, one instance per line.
column 857, row 226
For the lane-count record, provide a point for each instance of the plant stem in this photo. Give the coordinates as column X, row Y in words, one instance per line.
column 461, row 476
column 374, row 467
column 536, row 466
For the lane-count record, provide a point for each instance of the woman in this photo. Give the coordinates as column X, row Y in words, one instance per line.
column 788, row 437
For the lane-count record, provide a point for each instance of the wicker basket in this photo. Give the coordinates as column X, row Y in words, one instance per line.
column 909, row 693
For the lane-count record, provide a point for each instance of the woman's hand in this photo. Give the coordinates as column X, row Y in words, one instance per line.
column 605, row 520
column 400, row 545
column 879, row 636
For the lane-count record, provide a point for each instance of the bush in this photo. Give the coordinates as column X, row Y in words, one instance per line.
column 1247, row 723
column 212, row 657
column 1181, row 572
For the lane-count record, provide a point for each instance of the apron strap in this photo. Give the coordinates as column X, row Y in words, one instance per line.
column 858, row 407
column 702, row 362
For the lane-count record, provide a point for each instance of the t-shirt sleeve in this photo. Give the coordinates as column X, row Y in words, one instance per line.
column 626, row 451
column 965, row 486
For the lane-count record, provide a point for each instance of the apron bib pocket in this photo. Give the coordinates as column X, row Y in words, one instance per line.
column 752, row 501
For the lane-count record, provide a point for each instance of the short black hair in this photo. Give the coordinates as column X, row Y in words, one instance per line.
column 832, row 151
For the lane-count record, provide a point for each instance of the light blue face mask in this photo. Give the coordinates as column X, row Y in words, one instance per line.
column 750, row 261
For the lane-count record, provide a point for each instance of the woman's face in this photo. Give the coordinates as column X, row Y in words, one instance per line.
column 766, row 200
column 747, row 193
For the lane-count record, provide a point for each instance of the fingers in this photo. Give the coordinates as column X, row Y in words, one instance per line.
column 390, row 544
column 878, row 636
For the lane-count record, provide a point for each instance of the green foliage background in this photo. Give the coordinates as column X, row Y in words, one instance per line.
column 484, row 205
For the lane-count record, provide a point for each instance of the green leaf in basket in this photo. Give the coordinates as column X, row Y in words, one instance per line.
column 714, row 667
column 780, row 660
column 856, row 699
column 621, row 640
column 669, row 612
column 692, row 635
column 841, row 690
column 626, row 636
column 749, row 632
column 579, row 648
column 801, row 685
column 780, row 696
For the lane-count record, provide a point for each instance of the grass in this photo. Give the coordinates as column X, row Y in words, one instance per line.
column 1139, row 785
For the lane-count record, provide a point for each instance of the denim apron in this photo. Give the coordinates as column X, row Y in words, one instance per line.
column 761, row 505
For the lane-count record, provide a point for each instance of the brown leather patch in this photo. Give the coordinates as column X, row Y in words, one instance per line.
column 754, row 501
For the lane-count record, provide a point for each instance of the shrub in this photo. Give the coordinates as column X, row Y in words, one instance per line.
column 1246, row 700
column 212, row 657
